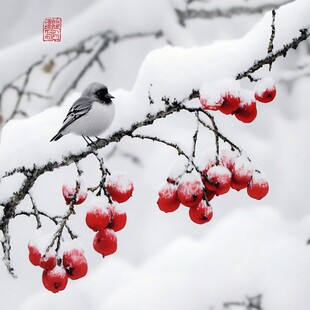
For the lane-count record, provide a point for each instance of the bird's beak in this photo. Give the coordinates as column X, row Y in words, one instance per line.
column 109, row 96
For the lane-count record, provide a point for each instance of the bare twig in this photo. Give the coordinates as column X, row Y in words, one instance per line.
column 189, row 13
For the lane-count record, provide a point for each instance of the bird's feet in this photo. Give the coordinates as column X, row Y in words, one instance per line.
column 89, row 141
column 101, row 139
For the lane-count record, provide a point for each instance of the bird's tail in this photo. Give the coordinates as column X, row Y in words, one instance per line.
column 57, row 137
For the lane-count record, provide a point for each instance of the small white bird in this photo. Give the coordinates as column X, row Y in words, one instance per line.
column 90, row 115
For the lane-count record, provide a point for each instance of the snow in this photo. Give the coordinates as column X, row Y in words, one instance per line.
column 120, row 181
column 264, row 84
column 169, row 262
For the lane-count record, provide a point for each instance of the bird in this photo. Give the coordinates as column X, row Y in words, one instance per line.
column 90, row 115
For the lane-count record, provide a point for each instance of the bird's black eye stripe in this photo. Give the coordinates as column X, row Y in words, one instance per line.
column 101, row 93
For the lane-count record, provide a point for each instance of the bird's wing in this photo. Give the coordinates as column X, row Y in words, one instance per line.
column 79, row 108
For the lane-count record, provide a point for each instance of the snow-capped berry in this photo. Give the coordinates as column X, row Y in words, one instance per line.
column 190, row 191
column 247, row 111
column 75, row 263
column 120, row 187
column 201, row 214
column 227, row 159
column 265, row 90
column 218, row 179
column 168, row 198
column 105, row 242
column 258, row 187
column 210, row 105
column 34, row 254
column 118, row 219
column 230, row 104
column 55, row 280
column 48, row 261
column 210, row 97
column 242, row 173
column 97, row 218
column 69, row 193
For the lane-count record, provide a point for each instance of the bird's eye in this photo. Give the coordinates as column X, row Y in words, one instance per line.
column 101, row 93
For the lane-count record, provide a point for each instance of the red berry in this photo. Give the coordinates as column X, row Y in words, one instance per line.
column 117, row 219
column 210, row 194
column 34, row 255
column 258, row 187
column 69, row 193
column 75, row 264
column 227, row 159
column 230, row 104
column 168, row 198
column 241, row 174
column 97, row 218
column 218, row 180
column 119, row 187
column 247, row 111
column 55, row 280
column 265, row 90
column 48, row 261
column 105, row 242
column 201, row 214
column 211, row 104
column 190, row 190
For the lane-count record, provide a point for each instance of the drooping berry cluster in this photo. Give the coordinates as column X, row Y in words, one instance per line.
column 106, row 220
column 214, row 177
column 187, row 190
column 59, row 265
column 228, row 97
column 57, row 269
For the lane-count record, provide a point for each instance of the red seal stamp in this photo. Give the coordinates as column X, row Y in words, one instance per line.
column 52, row 29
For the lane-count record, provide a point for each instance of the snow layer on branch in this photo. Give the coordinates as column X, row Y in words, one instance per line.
column 171, row 71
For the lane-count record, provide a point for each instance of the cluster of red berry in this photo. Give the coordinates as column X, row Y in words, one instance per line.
column 107, row 220
column 229, row 98
column 72, row 264
column 56, row 270
column 215, row 178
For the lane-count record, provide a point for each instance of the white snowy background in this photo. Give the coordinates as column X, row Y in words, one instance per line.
column 165, row 261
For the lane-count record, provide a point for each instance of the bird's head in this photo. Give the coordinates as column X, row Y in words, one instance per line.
column 98, row 92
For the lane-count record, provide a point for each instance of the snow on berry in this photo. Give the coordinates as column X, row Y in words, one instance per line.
column 227, row 158
column 210, row 97
column 75, row 263
column 105, row 242
column 201, row 214
column 247, row 111
column 242, row 173
column 168, row 198
column 190, row 190
column 208, row 160
column 97, row 218
column 120, row 187
column 48, row 260
column 265, row 90
column 118, row 219
column 34, row 254
column 218, row 180
column 230, row 90
column 69, row 193
column 258, row 187
column 55, row 280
